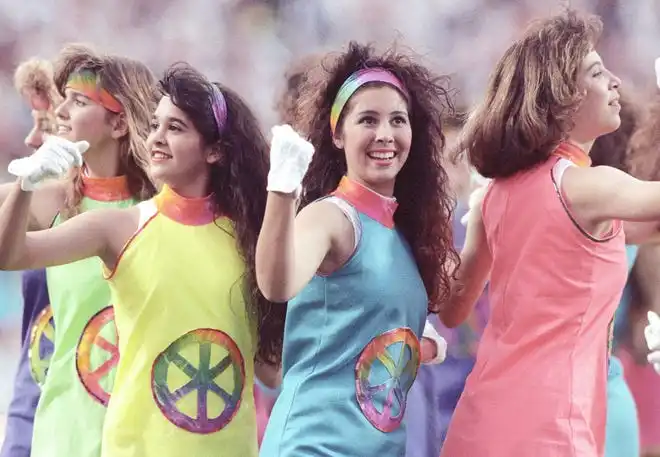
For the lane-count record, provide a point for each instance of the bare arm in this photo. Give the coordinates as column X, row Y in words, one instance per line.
column 291, row 249
column 44, row 205
column 81, row 237
column 473, row 273
column 600, row 194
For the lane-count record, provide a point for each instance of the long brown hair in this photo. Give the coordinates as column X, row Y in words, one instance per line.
column 422, row 189
column 238, row 184
column 133, row 85
column 531, row 96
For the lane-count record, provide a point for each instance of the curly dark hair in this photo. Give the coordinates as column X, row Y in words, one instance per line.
column 422, row 189
column 531, row 96
column 238, row 184
column 287, row 102
column 644, row 157
column 614, row 149
column 132, row 84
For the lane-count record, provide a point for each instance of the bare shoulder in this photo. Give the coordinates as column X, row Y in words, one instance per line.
column 323, row 215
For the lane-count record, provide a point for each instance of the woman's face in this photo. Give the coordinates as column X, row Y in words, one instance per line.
column 598, row 113
column 375, row 135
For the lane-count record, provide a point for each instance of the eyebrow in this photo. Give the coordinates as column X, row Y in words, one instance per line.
column 170, row 119
column 594, row 65
column 376, row 113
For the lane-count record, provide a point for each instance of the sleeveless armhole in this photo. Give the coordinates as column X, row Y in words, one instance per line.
column 352, row 215
column 147, row 211
column 557, row 174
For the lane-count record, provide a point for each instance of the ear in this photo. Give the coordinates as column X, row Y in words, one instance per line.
column 119, row 126
column 338, row 140
column 214, row 156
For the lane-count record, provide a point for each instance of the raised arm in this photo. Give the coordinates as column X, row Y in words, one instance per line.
column 599, row 194
column 83, row 236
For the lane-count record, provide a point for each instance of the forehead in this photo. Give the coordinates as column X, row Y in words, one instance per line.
column 591, row 59
column 382, row 98
column 167, row 109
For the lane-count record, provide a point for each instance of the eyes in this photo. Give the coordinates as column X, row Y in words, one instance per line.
column 154, row 125
column 370, row 120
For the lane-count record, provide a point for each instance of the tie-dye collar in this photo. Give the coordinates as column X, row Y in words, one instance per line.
column 187, row 211
column 571, row 152
column 367, row 201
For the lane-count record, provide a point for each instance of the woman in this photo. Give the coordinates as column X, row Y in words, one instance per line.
column 549, row 229
column 106, row 103
column 353, row 321
column 33, row 79
column 180, row 266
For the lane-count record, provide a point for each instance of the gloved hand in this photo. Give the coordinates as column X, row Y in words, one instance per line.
column 290, row 156
column 652, row 334
column 52, row 160
column 476, row 196
column 433, row 337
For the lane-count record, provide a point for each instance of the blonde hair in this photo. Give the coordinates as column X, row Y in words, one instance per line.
column 134, row 86
column 531, row 96
column 36, row 75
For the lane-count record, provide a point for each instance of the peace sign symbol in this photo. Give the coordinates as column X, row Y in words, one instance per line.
column 187, row 366
column 384, row 373
column 97, row 355
column 42, row 345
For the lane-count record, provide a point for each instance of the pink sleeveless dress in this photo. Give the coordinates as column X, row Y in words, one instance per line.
column 538, row 388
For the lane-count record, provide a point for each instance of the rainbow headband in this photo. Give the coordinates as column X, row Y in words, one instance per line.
column 219, row 106
column 87, row 83
column 357, row 80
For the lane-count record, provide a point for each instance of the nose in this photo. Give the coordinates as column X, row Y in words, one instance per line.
column 156, row 137
column 62, row 111
column 615, row 81
column 384, row 133
column 35, row 138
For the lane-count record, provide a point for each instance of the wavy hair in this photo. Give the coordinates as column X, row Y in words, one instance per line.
column 238, row 184
column 422, row 186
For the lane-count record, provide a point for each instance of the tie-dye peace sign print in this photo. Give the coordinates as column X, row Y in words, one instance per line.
column 97, row 355
column 198, row 381
column 42, row 345
column 384, row 373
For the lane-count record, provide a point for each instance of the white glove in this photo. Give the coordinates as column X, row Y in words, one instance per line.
column 52, row 160
column 476, row 197
column 290, row 155
column 440, row 344
column 657, row 72
column 652, row 334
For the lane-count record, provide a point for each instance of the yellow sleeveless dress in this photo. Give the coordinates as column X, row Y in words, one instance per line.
column 184, row 383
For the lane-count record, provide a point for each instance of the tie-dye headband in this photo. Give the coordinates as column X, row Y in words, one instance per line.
column 219, row 106
column 87, row 83
column 357, row 80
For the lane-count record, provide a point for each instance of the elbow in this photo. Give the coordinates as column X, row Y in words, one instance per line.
column 272, row 290
column 8, row 260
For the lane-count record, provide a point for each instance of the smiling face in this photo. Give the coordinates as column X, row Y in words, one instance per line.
column 177, row 149
column 598, row 113
column 376, row 135
column 79, row 118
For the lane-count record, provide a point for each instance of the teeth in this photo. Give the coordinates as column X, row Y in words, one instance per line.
column 381, row 155
column 159, row 155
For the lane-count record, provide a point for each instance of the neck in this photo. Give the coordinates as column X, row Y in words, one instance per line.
column 385, row 189
column 103, row 162
column 584, row 145
column 194, row 188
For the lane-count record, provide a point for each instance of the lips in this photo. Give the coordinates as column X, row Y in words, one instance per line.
column 160, row 155
column 381, row 155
